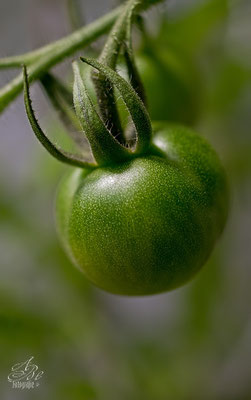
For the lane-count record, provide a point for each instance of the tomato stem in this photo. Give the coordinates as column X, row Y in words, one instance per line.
column 41, row 60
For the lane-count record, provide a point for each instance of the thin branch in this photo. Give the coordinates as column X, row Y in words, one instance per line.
column 68, row 44
column 41, row 60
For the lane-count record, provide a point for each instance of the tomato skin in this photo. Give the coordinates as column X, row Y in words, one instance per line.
column 148, row 225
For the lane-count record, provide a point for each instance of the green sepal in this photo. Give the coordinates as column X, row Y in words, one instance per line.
column 134, row 104
column 105, row 147
column 56, row 152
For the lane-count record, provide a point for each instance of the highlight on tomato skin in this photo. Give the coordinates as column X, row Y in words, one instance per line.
column 147, row 225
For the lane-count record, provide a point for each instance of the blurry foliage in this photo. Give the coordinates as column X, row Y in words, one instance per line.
column 187, row 345
column 169, row 62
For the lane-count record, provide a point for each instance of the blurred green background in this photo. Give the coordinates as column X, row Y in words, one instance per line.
column 190, row 344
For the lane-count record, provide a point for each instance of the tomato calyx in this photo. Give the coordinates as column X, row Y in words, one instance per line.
column 108, row 142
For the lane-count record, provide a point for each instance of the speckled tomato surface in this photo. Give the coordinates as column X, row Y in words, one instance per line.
column 147, row 225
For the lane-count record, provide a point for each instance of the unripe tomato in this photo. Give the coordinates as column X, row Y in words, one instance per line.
column 147, row 225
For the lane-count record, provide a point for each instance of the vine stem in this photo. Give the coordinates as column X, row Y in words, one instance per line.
column 42, row 59
column 67, row 44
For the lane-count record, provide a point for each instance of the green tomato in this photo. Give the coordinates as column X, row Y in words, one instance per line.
column 171, row 85
column 147, row 225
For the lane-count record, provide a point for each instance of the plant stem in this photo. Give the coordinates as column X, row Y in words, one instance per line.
column 41, row 60
column 68, row 44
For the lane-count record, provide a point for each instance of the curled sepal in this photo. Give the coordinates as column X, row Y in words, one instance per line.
column 134, row 104
column 56, row 152
column 105, row 147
